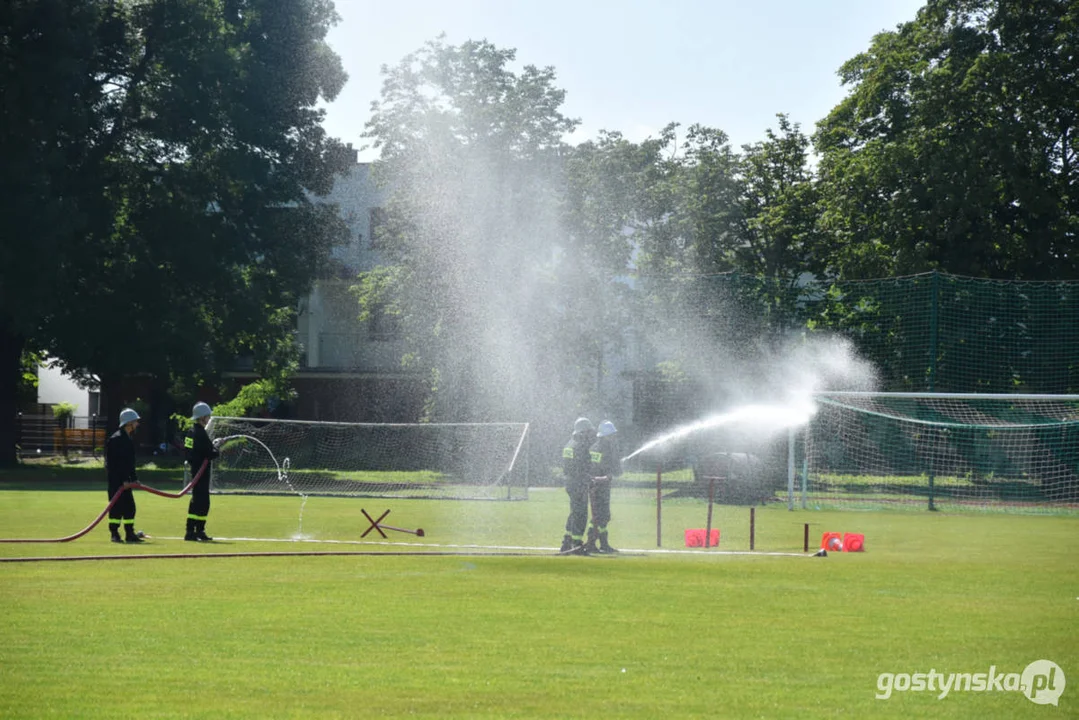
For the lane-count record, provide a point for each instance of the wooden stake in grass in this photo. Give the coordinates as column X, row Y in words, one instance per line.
column 752, row 525
column 711, row 499
column 659, row 505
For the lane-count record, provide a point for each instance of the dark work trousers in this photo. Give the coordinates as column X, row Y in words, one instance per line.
column 124, row 509
column 601, row 503
column 199, row 507
column 578, row 508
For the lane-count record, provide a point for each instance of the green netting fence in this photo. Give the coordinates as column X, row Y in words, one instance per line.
column 931, row 332
column 943, row 333
column 926, row 333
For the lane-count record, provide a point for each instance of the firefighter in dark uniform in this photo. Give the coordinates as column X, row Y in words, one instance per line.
column 199, row 450
column 606, row 466
column 576, row 466
column 120, row 469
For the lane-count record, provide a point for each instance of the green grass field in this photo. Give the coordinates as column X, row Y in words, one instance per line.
column 400, row 633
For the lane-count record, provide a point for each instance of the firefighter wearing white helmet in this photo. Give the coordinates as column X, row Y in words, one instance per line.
column 201, row 410
column 200, row 455
column 120, row 470
column 578, row 474
column 606, row 466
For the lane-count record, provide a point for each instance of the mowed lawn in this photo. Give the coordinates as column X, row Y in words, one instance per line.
column 681, row 634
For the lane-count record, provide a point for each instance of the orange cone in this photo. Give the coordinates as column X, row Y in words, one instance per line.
column 853, row 542
column 695, row 537
column 832, row 542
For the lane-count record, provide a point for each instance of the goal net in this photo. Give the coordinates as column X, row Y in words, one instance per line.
column 454, row 461
column 941, row 451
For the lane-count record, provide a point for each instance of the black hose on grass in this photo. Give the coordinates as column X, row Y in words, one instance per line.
column 115, row 497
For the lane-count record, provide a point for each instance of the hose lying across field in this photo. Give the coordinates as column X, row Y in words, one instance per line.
column 112, row 501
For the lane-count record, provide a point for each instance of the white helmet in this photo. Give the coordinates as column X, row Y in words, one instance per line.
column 582, row 424
column 201, row 410
column 606, row 428
column 127, row 415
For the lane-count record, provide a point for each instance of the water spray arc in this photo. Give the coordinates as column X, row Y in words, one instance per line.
column 281, row 467
column 766, row 418
column 760, row 420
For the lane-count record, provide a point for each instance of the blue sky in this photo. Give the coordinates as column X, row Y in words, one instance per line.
column 634, row 65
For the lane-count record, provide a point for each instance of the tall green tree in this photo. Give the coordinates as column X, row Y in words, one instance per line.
column 49, row 54
column 781, row 242
column 471, row 158
column 606, row 179
column 778, row 206
column 956, row 147
column 687, row 217
column 707, row 189
column 179, row 147
column 690, row 237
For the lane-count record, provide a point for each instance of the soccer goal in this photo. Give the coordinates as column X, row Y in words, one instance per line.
column 485, row 461
column 941, row 451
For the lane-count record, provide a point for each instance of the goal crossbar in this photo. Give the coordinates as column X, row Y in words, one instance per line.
column 947, row 396
column 416, row 460
column 844, row 399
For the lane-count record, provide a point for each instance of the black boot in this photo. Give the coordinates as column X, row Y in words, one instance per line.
column 189, row 534
column 590, row 546
column 579, row 548
column 604, row 546
column 200, row 531
column 131, row 536
column 567, row 544
column 114, row 533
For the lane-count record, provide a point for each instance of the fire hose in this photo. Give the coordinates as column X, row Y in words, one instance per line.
column 113, row 501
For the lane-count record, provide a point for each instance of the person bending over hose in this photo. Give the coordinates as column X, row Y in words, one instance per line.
column 120, row 469
column 199, row 450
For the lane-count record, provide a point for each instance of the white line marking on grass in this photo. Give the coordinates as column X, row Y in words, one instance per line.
column 699, row 553
column 519, row 548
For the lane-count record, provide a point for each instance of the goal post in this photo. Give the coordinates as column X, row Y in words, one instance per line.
column 939, row 451
column 468, row 461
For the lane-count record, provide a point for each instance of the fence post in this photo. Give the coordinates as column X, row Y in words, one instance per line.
column 805, row 479
column 934, row 325
column 790, row 469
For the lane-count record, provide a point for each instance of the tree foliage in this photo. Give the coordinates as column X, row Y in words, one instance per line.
column 470, row 154
column 779, row 207
column 161, row 160
column 26, row 394
column 956, row 148
column 605, row 185
column 163, row 157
